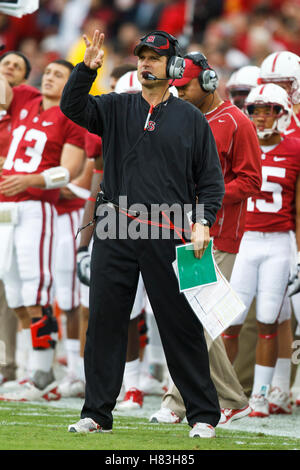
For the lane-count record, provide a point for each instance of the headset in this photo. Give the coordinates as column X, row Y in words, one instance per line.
column 175, row 64
column 207, row 78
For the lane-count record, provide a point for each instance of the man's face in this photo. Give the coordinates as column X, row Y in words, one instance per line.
column 238, row 97
column 263, row 117
column 112, row 83
column 14, row 69
column 191, row 92
column 54, row 79
column 149, row 61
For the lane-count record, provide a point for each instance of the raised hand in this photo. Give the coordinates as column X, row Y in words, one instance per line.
column 93, row 57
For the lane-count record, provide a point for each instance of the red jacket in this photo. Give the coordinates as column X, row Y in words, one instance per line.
column 240, row 157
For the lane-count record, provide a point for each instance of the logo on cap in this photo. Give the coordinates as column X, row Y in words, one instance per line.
column 150, row 39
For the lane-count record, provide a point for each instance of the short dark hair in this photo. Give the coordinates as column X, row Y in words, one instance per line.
column 120, row 70
column 20, row 54
column 63, row 62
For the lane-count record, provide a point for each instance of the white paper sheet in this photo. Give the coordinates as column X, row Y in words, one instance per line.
column 19, row 8
column 215, row 305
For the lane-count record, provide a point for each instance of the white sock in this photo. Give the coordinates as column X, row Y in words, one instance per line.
column 282, row 374
column 24, row 351
column 42, row 359
column 144, row 364
column 132, row 374
column 72, row 350
column 80, row 369
column 262, row 378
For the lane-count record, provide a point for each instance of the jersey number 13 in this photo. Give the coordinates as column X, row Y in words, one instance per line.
column 34, row 152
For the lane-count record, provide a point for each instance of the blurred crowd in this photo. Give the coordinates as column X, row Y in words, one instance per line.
column 231, row 33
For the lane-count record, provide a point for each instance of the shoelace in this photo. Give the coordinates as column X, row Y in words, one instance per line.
column 226, row 411
column 258, row 398
column 276, row 393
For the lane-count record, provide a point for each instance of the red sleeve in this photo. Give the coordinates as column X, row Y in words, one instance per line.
column 93, row 145
column 22, row 94
column 246, row 164
column 75, row 134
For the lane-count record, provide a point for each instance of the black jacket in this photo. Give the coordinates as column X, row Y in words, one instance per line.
column 173, row 161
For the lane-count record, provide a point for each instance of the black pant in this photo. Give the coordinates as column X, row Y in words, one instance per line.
column 115, row 269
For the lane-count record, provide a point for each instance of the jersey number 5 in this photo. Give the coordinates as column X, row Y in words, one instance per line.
column 267, row 186
column 35, row 152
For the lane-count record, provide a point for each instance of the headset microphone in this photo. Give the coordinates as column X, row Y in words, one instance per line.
column 149, row 76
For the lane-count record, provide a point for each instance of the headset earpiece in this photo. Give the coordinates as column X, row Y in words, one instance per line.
column 175, row 67
column 208, row 80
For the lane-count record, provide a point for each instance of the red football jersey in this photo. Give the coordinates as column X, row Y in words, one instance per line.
column 93, row 145
column 239, row 153
column 21, row 92
column 273, row 210
column 64, row 206
column 93, row 149
column 294, row 128
column 5, row 132
column 36, row 144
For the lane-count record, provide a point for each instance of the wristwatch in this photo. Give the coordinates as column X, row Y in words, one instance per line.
column 204, row 222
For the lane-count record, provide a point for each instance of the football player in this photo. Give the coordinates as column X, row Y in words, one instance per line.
column 14, row 71
column 262, row 265
column 73, row 383
column 66, row 283
column 283, row 69
column 45, row 153
column 240, row 83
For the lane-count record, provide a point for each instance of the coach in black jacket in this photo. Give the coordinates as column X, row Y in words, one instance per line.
column 157, row 149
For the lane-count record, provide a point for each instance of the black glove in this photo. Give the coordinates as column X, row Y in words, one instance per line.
column 294, row 283
column 83, row 260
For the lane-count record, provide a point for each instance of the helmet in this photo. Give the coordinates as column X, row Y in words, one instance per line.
column 241, row 82
column 244, row 78
column 282, row 67
column 128, row 83
column 277, row 97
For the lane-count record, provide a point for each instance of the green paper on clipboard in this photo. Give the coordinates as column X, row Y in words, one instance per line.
column 194, row 272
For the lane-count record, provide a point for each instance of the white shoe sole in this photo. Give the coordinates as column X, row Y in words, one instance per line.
column 72, row 428
column 128, row 405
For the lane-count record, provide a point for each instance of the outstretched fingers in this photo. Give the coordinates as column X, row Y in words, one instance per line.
column 86, row 40
column 98, row 39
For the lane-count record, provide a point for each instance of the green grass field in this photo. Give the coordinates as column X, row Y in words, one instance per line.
column 40, row 427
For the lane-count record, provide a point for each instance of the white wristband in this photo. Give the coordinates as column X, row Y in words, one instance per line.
column 56, row 177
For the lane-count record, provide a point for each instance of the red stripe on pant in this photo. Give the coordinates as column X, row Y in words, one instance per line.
column 50, row 256
column 74, row 261
column 41, row 252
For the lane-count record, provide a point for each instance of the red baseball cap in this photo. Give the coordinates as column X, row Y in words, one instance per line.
column 191, row 71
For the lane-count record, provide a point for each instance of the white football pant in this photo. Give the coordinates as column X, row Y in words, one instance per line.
column 66, row 282
column 261, row 270
column 28, row 279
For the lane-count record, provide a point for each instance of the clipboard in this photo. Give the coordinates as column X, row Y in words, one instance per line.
column 194, row 272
